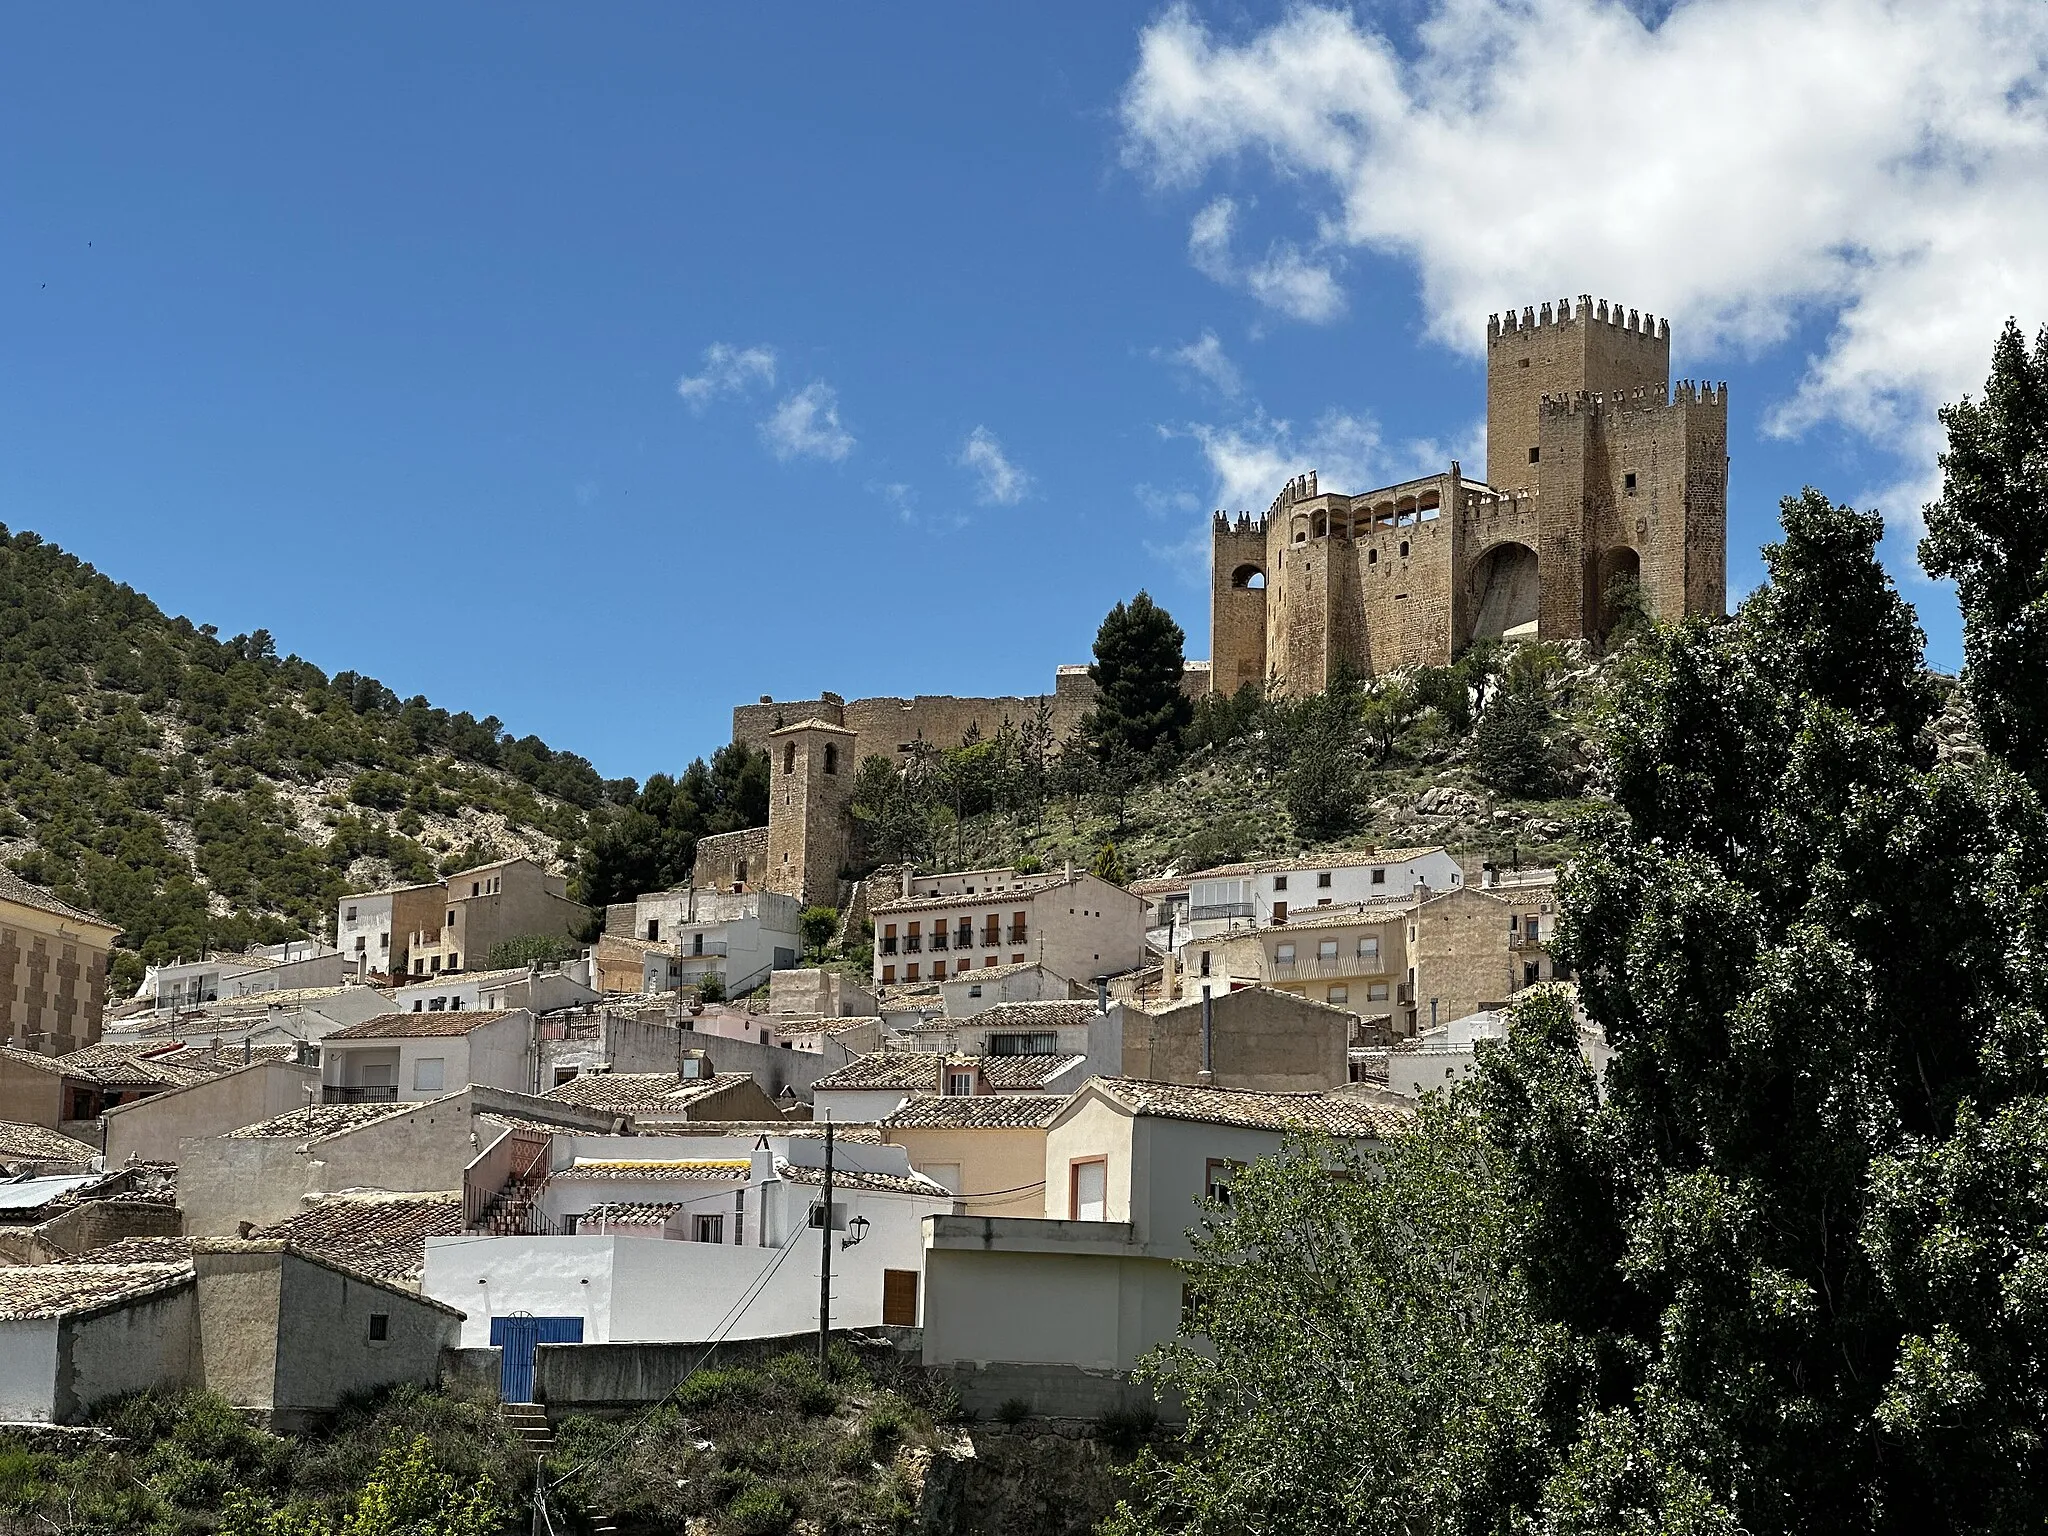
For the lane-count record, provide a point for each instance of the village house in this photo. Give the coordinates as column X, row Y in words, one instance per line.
column 610, row 1039
column 1269, row 892
column 399, row 1056
column 375, row 1232
column 536, row 988
column 150, row 1129
column 687, row 1239
column 490, row 905
column 69, row 1093
column 467, row 1140
column 874, row 1087
column 48, row 1217
column 1351, row 957
column 291, row 966
column 1057, row 1310
column 966, row 993
column 54, row 968
column 373, row 929
column 28, row 1150
column 259, row 1019
column 815, row 992
column 279, row 1333
column 987, row 1149
column 742, row 937
column 1074, row 924
column 1254, row 1039
column 1078, row 1027
column 1441, row 1057
column 652, row 1099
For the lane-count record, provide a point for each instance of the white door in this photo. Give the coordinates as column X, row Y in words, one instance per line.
column 1091, row 1191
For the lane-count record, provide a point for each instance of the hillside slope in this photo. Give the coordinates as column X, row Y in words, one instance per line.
column 207, row 793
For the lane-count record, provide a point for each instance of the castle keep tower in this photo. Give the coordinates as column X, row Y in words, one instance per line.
column 1599, row 470
column 810, row 785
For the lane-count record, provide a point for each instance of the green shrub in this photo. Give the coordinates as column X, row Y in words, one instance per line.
column 1013, row 1411
column 763, row 1510
column 1124, row 1429
column 711, row 988
column 885, row 1425
column 734, row 1386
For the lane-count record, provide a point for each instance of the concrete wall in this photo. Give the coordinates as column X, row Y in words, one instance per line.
column 28, row 1370
column 95, row 1223
column 239, row 1306
column 325, row 1351
column 30, row 1095
column 1095, row 1312
column 1263, row 1040
column 149, row 1342
column 1087, row 1130
column 151, row 1129
column 980, row 1163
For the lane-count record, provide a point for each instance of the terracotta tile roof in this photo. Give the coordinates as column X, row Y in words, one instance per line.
column 991, row 972
column 14, row 888
column 61, row 1290
column 1030, row 886
column 919, row 1070
column 629, row 1091
column 879, row 1183
column 457, row 978
column 420, row 1026
column 217, row 1060
column 108, row 1066
column 1032, row 1016
column 34, row 1143
column 374, row 1232
column 318, row 1120
column 1336, row 858
column 662, row 1170
column 842, row 1130
column 1333, row 917
column 633, row 1215
column 141, row 1250
column 1338, row 1116
column 980, row 1111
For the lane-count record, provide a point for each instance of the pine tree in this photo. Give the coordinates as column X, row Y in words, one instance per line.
column 1139, row 657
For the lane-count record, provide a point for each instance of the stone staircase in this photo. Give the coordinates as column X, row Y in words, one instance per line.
column 529, row 1421
column 515, row 1210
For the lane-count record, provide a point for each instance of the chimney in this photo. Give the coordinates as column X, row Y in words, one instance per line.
column 1208, row 1074
column 908, row 871
column 1102, row 994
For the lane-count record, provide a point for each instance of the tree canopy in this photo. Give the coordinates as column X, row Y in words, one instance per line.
column 1139, row 658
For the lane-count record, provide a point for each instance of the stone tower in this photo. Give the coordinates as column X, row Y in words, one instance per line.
column 1599, row 469
column 811, row 771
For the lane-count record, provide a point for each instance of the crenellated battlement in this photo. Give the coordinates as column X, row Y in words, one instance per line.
column 1686, row 392
column 1246, row 525
column 1587, row 312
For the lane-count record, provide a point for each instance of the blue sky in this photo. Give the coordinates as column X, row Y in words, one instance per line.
column 367, row 326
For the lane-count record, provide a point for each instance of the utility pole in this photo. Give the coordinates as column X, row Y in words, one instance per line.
column 825, row 1261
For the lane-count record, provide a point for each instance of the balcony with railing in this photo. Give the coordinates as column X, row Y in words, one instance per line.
column 938, row 940
column 1220, row 909
column 363, row 1093
column 1341, row 968
column 888, row 944
column 1017, row 934
column 914, row 944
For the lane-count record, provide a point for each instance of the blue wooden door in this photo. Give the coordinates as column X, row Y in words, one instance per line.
column 517, row 1333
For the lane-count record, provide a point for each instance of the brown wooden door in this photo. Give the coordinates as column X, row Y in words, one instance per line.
column 899, row 1298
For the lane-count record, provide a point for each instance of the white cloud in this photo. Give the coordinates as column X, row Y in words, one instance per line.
column 1003, row 484
column 902, row 498
column 1251, row 460
column 806, row 425
column 1741, row 167
column 728, row 370
column 1285, row 280
column 1205, row 358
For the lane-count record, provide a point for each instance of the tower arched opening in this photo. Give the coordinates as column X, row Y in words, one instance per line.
column 1618, row 576
column 1506, row 593
column 1249, row 578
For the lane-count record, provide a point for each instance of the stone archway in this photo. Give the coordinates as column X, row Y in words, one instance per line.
column 1249, row 578
column 1506, row 593
column 1617, row 565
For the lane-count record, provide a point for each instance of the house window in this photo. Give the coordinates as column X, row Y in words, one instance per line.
column 476, row 888
column 910, row 971
column 938, row 970
column 437, row 1005
column 1628, row 482
column 960, row 1085
column 1372, row 557
column 710, row 1229
column 451, row 921
column 1376, row 992
column 427, row 1074
column 899, row 1298
column 1205, row 962
column 384, row 941
column 1340, row 994
column 351, row 914
column 415, row 1005
column 1531, row 973
column 1535, row 455
column 1088, row 1189
column 1369, row 948
column 455, row 962
column 361, row 944
column 1283, row 955
column 1327, row 950
column 1279, row 912
column 1404, row 555
column 380, row 1327
column 1323, row 881
column 1044, row 1043
column 654, row 928
column 888, row 975
column 831, row 757
column 975, row 990
column 1379, row 877
column 1216, row 1179
column 739, row 1216
column 1279, row 882
column 789, row 757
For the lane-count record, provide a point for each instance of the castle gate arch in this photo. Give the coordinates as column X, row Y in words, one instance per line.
column 1505, row 592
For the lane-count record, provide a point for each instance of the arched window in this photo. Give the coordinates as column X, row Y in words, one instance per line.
column 831, row 757
column 789, row 757
column 1249, row 577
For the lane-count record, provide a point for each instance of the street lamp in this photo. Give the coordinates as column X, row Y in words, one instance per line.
column 856, row 1229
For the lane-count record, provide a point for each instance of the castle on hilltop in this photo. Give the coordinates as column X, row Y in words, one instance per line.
column 1597, row 469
